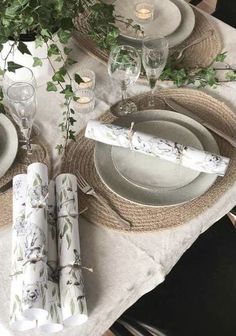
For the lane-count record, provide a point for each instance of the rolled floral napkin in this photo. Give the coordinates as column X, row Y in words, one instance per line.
column 35, row 278
column 17, row 320
column 74, row 308
column 37, row 185
column 53, row 323
column 162, row 148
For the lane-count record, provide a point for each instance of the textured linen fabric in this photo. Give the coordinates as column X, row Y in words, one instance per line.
column 126, row 266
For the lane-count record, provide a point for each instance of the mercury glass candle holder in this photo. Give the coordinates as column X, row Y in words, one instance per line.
column 144, row 11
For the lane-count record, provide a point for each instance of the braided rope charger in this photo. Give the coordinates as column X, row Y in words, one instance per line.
column 80, row 156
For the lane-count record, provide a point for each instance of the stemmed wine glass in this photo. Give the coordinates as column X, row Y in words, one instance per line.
column 154, row 57
column 124, row 66
column 22, row 104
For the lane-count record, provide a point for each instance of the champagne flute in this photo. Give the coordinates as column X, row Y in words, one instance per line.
column 22, row 104
column 124, row 66
column 154, row 57
column 22, row 74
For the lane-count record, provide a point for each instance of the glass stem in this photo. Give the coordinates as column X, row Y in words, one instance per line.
column 151, row 98
column 124, row 91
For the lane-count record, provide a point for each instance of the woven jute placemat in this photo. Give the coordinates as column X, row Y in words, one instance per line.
column 80, row 156
column 199, row 55
column 41, row 153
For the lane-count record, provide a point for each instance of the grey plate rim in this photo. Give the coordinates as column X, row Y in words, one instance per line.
column 9, row 157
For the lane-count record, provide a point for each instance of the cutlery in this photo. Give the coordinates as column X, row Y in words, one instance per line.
column 180, row 109
column 88, row 190
column 178, row 54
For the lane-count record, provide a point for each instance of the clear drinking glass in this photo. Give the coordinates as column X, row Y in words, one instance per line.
column 23, row 75
column 22, row 105
column 154, row 57
column 124, row 67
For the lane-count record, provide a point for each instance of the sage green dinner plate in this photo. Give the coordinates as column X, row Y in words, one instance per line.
column 147, row 180
column 8, row 144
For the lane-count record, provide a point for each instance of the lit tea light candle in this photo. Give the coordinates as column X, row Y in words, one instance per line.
column 83, row 101
column 86, row 101
column 87, row 83
column 144, row 12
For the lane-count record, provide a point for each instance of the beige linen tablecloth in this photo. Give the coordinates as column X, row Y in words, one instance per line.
column 126, row 266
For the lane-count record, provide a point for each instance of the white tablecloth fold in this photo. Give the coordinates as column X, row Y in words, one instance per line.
column 74, row 309
column 162, row 148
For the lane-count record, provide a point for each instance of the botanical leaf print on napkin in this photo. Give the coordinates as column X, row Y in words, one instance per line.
column 37, row 192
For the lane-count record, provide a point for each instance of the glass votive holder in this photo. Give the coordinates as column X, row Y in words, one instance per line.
column 88, row 77
column 86, row 101
column 144, row 10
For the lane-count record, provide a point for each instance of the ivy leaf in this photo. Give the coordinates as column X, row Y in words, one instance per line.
column 37, row 62
column 51, row 87
column 230, row 75
column 58, row 77
column 70, row 61
column 12, row 66
column 22, row 47
column 67, row 50
column 39, row 41
column 72, row 120
column 63, row 35
column 45, row 32
column 78, row 79
column 53, row 50
column 221, row 57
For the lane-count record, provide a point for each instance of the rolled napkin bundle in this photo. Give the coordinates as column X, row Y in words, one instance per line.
column 17, row 320
column 35, row 296
column 74, row 308
column 162, row 148
column 37, row 185
column 53, row 323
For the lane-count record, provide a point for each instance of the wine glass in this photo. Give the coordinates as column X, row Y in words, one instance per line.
column 154, row 57
column 124, row 66
column 22, row 104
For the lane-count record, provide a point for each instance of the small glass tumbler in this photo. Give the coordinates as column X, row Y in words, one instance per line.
column 86, row 101
column 88, row 77
column 144, row 11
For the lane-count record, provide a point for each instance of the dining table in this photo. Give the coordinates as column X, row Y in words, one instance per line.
column 125, row 265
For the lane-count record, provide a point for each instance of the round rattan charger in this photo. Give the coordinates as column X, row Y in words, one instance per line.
column 80, row 155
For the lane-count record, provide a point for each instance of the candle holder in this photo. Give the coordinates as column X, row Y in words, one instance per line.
column 144, row 11
column 86, row 101
column 88, row 77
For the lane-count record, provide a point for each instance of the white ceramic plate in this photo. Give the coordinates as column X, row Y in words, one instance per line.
column 148, row 180
column 179, row 35
column 167, row 18
column 8, row 144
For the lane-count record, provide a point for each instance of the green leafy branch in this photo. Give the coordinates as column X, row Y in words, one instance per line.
column 199, row 76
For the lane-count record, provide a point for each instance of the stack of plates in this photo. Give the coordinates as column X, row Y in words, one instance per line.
column 8, row 144
column 173, row 19
column 148, row 180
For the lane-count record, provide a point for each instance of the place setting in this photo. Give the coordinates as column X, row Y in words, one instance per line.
column 191, row 36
